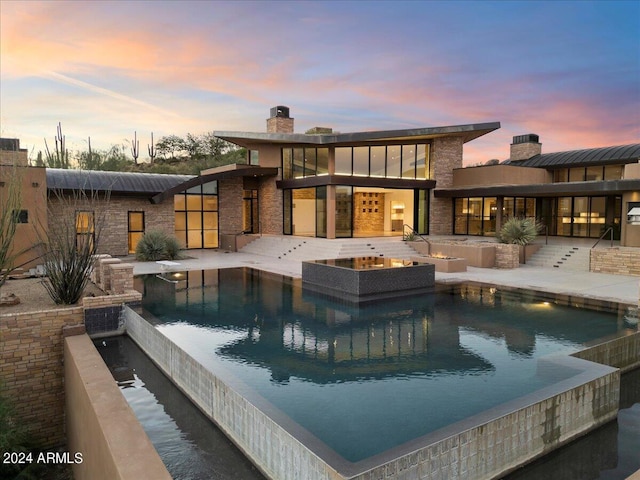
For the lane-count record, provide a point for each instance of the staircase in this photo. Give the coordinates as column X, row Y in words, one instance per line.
column 564, row 257
column 308, row 248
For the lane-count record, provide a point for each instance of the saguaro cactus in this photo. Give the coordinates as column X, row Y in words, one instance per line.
column 135, row 147
column 152, row 150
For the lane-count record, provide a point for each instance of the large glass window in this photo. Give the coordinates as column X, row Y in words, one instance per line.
column 613, row 172
column 394, row 161
column 298, row 162
column 196, row 216
column 321, row 212
column 250, row 218
column 564, row 216
column 422, row 157
column 322, row 161
column 391, row 161
column 460, row 217
column 287, row 211
column 475, row 216
column 344, row 211
column 408, row 161
column 378, row 161
column 343, row 163
column 422, row 220
column 361, row 161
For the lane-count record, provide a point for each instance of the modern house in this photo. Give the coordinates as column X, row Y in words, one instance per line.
column 340, row 185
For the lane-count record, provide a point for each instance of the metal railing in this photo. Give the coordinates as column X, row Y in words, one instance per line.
column 414, row 235
column 608, row 230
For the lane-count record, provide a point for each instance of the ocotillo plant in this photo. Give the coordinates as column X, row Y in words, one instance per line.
column 61, row 159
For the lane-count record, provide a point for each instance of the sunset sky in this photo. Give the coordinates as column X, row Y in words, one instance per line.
column 567, row 71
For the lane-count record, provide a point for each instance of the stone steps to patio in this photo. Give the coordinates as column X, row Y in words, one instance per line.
column 303, row 248
column 564, row 257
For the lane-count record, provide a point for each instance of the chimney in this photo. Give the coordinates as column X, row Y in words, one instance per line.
column 280, row 122
column 525, row 147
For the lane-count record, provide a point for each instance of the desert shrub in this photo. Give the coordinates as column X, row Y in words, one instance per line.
column 71, row 242
column 519, row 231
column 157, row 245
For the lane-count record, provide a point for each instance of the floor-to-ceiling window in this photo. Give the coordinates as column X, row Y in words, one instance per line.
column 196, row 216
column 344, row 211
column 475, row 216
column 250, row 212
column 586, row 216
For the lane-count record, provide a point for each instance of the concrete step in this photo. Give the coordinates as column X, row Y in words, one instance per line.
column 563, row 257
column 298, row 248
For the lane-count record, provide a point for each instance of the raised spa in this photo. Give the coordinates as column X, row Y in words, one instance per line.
column 366, row 279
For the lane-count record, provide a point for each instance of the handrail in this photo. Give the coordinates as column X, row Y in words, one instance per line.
column 609, row 229
column 416, row 234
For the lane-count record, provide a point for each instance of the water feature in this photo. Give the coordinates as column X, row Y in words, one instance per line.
column 366, row 379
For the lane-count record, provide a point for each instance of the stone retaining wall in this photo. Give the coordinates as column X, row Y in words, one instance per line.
column 31, row 354
column 31, row 369
column 617, row 261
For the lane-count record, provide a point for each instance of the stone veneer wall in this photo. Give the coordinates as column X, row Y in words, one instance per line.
column 114, row 236
column 230, row 194
column 271, row 205
column 446, row 154
column 507, row 255
column 31, row 359
column 617, row 261
column 368, row 212
column 31, row 354
column 492, row 444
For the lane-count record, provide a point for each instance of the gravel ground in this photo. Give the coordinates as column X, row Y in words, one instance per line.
column 33, row 295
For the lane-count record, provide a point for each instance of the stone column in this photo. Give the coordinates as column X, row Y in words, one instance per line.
column 446, row 154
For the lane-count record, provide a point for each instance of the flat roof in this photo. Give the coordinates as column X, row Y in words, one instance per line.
column 606, row 187
column 468, row 132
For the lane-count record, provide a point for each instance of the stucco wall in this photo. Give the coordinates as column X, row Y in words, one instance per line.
column 100, row 424
column 491, row 175
column 33, row 187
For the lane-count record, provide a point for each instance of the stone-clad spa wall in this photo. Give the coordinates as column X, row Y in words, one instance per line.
column 481, row 447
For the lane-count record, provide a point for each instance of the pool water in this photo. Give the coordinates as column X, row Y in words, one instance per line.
column 366, row 379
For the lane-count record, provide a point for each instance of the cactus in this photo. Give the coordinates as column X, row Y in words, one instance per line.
column 152, row 150
column 135, row 147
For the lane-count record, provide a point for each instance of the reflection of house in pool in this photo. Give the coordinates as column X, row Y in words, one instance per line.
column 383, row 345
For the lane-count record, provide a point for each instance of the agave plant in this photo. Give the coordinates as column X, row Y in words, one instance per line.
column 519, row 231
column 157, row 245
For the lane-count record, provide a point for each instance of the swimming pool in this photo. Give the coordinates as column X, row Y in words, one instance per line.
column 364, row 380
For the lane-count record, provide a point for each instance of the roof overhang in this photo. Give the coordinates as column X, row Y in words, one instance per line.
column 251, row 140
column 318, row 181
column 607, row 187
column 221, row 173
